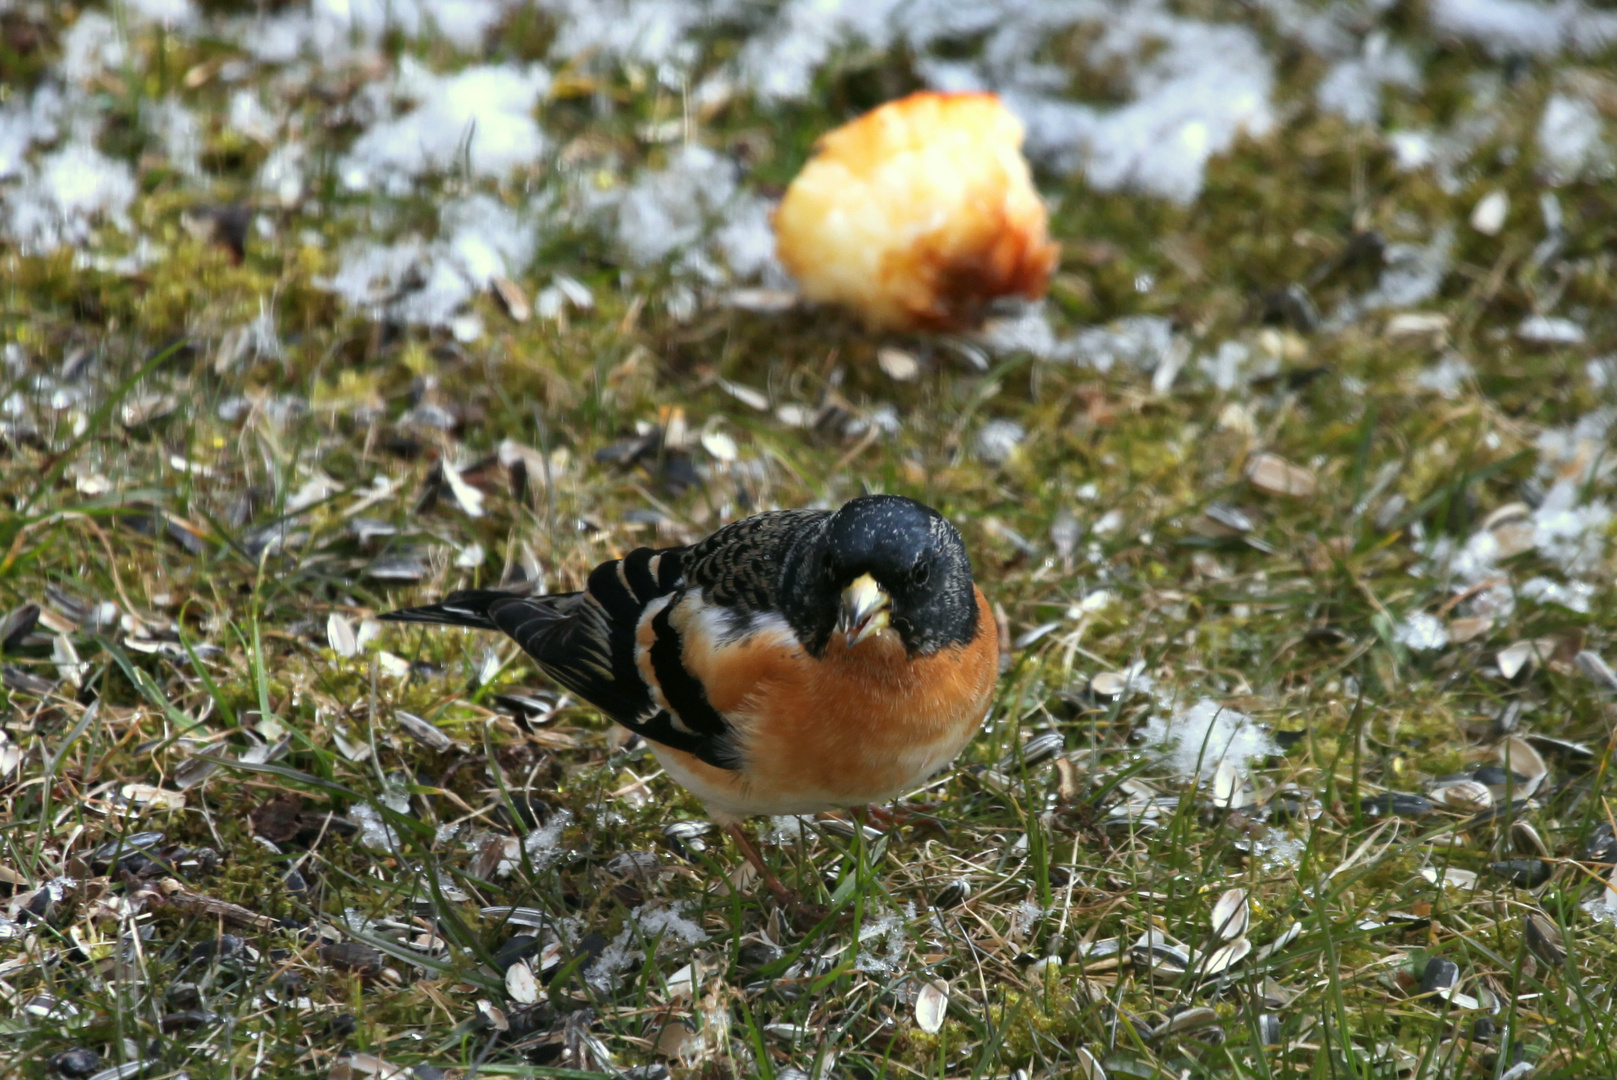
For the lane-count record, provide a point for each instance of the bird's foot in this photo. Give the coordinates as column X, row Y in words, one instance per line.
column 803, row 914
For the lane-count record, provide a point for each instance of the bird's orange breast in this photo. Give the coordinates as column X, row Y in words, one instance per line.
column 852, row 727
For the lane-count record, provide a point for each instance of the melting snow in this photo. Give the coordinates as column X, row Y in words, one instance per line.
column 1571, row 140
column 479, row 118
column 1195, row 740
column 1421, row 632
column 74, row 188
column 430, row 283
column 647, row 923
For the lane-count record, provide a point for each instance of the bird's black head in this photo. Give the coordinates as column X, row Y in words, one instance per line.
column 882, row 560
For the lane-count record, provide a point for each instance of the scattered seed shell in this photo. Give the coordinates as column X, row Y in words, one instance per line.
column 1088, row 1067
column 1465, row 795
column 897, row 364
column 1544, row 938
column 423, row 731
column 931, row 1004
column 1514, row 658
column 1187, row 1020
column 1232, row 913
column 520, row 985
column 1225, row 957
column 1440, row 974
column 1518, row 755
column 1450, row 875
column 1595, row 667
column 1274, row 475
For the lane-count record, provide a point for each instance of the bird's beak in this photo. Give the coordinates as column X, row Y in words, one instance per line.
column 865, row 609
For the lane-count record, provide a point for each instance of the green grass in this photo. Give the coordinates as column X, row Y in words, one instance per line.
column 225, row 542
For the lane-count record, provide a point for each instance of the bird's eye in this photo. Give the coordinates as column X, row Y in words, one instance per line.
column 921, row 571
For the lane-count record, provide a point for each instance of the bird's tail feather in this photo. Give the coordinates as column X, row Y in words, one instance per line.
column 469, row 608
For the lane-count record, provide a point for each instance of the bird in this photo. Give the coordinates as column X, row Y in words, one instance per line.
column 792, row 662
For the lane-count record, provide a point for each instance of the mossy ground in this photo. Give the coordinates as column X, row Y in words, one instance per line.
column 215, row 525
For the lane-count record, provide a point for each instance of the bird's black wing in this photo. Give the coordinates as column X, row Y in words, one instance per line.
column 586, row 642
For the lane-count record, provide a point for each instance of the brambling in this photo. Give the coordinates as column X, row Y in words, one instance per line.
column 792, row 662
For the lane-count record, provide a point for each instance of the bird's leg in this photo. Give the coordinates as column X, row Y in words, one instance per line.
column 749, row 850
column 891, row 817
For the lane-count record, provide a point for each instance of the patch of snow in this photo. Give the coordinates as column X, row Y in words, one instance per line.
column 1352, row 87
column 1447, row 376
column 179, row 131
column 1226, row 368
column 1549, row 330
column 1194, row 740
column 997, row 440
column 26, row 121
column 543, row 845
column 1514, row 27
column 1413, row 273
column 889, row 930
column 668, row 212
column 647, row 923
column 172, row 13
column 374, row 832
column 1139, row 341
column 1574, row 596
column 651, row 32
column 1602, row 371
column 1571, row 140
column 90, row 46
column 75, row 187
column 479, row 118
column 1421, row 632
column 429, row 284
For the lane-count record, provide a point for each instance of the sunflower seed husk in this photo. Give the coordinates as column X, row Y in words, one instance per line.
column 1088, row 1067
column 1397, row 804
column 931, row 1004
column 1440, row 974
column 1465, row 795
column 1565, row 748
column 340, row 635
column 1544, row 938
column 1287, row 936
column 1269, row 1029
column 192, row 771
column 1225, row 957
column 1188, row 1020
column 1231, row 914
column 404, row 569
column 1036, row 751
column 1108, row 684
column 1595, row 667
column 1154, row 949
column 847, row 829
column 1515, row 658
column 1450, row 875
column 1274, row 475
column 1526, row 840
column 17, row 625
column 520, row 985
column 897, row 364
column 535, row 918
column 1065, row 532
column 1601, row 845
column 1518, row 755
column 1523, row 873
column 423, row 731
column 512, row 298
column 952, row 895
